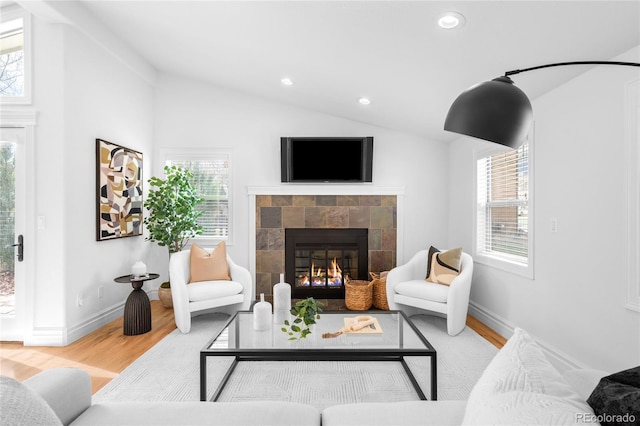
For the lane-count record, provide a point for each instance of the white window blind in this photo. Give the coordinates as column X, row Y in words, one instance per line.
column 503, row 205
column 211, row 177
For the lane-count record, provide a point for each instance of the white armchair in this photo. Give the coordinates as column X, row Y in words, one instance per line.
column 205, row 296
column 408, row 291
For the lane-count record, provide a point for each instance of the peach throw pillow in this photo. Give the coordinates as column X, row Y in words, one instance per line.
column 207, row 266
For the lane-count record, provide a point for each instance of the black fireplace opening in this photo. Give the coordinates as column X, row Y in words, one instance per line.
column 318, row 261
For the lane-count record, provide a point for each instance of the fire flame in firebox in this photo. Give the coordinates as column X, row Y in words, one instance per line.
column 333, row 276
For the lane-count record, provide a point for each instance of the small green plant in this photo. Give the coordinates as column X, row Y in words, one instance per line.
column 305, row 313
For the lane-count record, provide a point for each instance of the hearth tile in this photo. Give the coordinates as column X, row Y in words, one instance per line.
column 271, row 217
column 382, row 217
column 338, row 217
column 271, row 261
column 370, row 200
column 293, row 217
column 348, row 200
column 263, row 283
column 276, row 239
column 359, row 217
column 375, row 239
column 315, row 217
column 262, row 239
column 389, row 239
column 281, row 200
column 326, row 200
column 263, row 200
column 381, row 260
column 389, row 200
column 304, row 200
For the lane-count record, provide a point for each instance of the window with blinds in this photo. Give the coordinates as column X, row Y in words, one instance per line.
column 211, row 178
column 503, row 205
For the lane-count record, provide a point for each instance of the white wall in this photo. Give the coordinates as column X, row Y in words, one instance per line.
column 195, row 115
column 576, row 304
column 48, row 316
column 82, row 93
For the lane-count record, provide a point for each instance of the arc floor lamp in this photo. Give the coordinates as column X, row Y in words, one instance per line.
column 497, row 110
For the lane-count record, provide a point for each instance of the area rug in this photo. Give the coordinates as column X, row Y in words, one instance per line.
column 170, row 371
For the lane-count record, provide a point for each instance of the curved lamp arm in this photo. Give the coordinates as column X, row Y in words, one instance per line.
column 559, row 64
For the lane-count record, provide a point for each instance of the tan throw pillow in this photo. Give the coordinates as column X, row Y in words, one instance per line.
column 209, row 266
column 443, row 266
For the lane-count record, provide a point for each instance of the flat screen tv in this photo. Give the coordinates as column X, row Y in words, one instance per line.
column 326, row 159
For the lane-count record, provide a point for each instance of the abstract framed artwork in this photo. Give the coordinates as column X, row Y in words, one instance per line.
column 119, row 191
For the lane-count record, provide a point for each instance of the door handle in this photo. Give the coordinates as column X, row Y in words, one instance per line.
column 20, row 245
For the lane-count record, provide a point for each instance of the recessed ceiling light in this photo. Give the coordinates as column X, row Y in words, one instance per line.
column 364, row 101
column 286, row 81
column 451, row 20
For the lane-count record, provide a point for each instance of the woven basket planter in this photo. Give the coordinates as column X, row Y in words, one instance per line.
column 379, row 292
column 358, row 295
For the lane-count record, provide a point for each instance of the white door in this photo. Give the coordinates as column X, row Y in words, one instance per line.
column 12, row 232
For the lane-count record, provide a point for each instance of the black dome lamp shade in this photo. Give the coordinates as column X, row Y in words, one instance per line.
column 497, row 111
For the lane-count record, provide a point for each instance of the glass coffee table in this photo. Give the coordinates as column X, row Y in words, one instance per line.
column 399, row 338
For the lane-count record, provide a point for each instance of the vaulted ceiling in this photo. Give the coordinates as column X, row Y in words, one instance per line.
column 392, row 52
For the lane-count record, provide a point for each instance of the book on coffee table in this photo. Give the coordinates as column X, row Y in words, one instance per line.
column 373, row 328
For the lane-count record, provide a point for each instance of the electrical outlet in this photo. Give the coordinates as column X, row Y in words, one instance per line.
column 100, row 292
column 79, row 300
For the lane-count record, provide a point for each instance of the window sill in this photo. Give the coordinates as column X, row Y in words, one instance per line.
column 525, row 271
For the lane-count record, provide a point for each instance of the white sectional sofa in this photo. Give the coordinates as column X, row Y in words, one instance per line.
column 518, row 387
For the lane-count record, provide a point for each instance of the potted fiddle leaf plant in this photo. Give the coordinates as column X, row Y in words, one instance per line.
column 173, row 215
column 305, row 313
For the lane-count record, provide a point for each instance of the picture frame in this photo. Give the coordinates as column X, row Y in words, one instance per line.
column 119, row 192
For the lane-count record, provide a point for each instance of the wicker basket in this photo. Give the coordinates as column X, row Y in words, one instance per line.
column 379, row 292
column 358, row 295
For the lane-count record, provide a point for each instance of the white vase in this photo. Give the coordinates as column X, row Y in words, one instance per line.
column 281, row 301
column 262, row 315
column 138, row 269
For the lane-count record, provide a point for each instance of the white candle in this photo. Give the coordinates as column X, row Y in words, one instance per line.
column 281, row 300
column 262, row 314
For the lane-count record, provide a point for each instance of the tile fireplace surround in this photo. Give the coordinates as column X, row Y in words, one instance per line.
column 328, row 207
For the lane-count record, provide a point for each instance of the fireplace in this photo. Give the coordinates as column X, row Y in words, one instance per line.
column 318, row 261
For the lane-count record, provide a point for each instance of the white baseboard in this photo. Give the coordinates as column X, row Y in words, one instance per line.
column 62, row 336
column 46, row 336
column 560, row 360
column 92, row 324
column 491, row 320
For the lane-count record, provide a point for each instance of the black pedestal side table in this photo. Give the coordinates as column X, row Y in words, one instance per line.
column 137, row 309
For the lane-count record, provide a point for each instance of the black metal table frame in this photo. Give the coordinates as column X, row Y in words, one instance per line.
column 316, row 354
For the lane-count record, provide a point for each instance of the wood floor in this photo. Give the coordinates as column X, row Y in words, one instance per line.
column 106, row 352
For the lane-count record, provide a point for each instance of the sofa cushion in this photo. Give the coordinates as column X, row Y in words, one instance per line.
column 443, row 266
column 520, row 386
column 421, row 289
column 207, row 290
column 66, row 390
column 200, row 413
column 205, row 266
column 407, row 413
column 22, row 406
